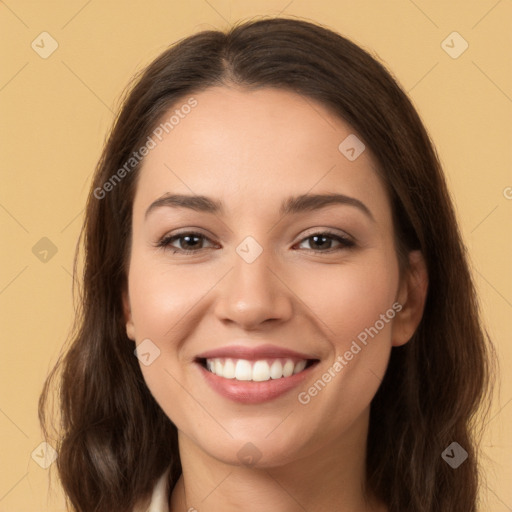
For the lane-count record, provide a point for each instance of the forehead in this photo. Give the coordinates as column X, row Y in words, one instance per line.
column 252, row 148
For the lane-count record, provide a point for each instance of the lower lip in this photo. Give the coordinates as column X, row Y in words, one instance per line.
column 251, row 392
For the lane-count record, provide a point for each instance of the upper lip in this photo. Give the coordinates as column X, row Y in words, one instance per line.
column 253, row 353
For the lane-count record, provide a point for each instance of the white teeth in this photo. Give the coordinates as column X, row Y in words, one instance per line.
column 288, row 368
column 228, row 372
column 276, row 370
column 243, row 370
column 299, row 367
column 261, row 371
column 258, row 371
column 218, row 368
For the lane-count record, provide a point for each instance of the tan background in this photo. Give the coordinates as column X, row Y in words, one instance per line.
column 56, row 113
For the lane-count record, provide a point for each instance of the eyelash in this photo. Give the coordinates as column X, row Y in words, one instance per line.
column 165, row 242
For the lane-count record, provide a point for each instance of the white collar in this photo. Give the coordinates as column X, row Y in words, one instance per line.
column 160, row 497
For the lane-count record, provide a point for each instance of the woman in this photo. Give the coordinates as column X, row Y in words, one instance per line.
column 277, row 311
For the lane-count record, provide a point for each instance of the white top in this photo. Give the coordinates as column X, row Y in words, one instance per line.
column 159, row 499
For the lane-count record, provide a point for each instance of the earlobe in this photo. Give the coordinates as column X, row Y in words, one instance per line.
column 127, row 312
column 412, row 297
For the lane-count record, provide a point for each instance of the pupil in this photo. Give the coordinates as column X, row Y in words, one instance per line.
column 316, row 237
column 188, row 238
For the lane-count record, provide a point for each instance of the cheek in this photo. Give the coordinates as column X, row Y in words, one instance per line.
column 161, row 296
column 346, row 298
column 351, row 297
column 351, row 304
column 164, row 302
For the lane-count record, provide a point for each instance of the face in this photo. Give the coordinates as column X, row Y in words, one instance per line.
column 294, row 302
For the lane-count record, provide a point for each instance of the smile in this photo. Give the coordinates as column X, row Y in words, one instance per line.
column 251, row 374
column 258, row 371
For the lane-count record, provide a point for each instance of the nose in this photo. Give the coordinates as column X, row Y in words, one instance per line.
column 253, row 294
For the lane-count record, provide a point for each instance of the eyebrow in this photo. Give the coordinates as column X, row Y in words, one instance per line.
column 292, row 205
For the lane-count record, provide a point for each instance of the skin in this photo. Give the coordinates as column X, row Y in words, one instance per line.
column 251, row 150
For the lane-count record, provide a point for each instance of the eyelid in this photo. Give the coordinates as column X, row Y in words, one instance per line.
column 164, row 241
column 344, row 240
column 326, row 231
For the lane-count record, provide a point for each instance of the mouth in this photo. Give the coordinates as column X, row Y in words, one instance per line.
column 254, row 375
column 259, row 370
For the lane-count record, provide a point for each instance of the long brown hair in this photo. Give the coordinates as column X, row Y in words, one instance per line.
column 114, row 440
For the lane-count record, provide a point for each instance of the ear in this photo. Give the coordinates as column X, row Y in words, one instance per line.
column 412, row 296
column 127, row 312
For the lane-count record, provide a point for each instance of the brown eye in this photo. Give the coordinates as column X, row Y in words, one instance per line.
column 188, row 242
column 322, row 242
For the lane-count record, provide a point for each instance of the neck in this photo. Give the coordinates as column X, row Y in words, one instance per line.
column 330, row 478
